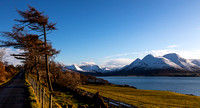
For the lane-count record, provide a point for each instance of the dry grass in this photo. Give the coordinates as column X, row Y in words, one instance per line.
column 145, row 98
column 31, row 95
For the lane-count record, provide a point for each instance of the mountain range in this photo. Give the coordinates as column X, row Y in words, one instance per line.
column 85, row 68
column 168, row 65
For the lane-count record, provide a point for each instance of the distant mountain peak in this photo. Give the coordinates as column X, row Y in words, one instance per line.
column 175, row 54
column 91, row 67
column 148, row 56
column 195, row 61
column 135, row 63
column 168, row 61
column 137, row 59
column 182, row 62
column 74, row 67
column 172, row 55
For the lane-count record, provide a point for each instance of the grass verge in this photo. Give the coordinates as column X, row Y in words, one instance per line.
column 31, row 98
column 64, row 97
column 145, row 98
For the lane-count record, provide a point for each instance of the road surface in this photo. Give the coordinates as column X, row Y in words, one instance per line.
column 13, row 94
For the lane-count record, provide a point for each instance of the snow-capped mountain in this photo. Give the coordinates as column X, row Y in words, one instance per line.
column 74, row 67
column 85, row 68
column 90, row 68
column 109, row 69
column 195, row 61
column 184, row 63
column 168, row 65
column 151, row 62
column 168, row 61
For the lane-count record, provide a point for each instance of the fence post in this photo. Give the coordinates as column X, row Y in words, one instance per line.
column 119, row 104
column 40, row 94
column 36, row 89
column 70, row 106
column 43, row 96
column 34, row 86
column 31, row 82
column 65, row 106
column 39, row 91
column 50, row 101
column 108, row 101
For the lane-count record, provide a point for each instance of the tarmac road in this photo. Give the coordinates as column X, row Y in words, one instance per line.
column 13, row 94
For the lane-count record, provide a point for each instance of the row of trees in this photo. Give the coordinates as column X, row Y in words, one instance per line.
column 6, row 71
column 30, row 35
column 38, row 55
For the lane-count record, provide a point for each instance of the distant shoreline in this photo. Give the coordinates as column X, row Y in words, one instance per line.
column 142, row 76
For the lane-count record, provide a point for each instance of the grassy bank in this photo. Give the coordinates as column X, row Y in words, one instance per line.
column 67, row 98
column 32, row 100
column 64, row 97
column 144, row 98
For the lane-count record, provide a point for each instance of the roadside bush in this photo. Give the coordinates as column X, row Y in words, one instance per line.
column 11, row 70
column 69, row 80
column 7, row 71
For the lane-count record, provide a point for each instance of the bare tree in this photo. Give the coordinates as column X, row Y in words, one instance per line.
column 31, row 44
column 34, row 48
column 38, row 22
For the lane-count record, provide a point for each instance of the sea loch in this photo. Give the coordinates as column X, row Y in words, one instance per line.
column 183, row 85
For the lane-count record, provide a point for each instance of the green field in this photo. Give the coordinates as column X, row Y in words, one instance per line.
column 145, row 98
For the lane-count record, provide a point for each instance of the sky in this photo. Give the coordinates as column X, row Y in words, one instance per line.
column 115, row 32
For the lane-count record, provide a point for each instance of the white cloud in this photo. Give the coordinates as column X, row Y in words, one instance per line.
column 172, row 46
column 88, row 63
column 10, row 59
column 118, row 60
column 123, row 54
column 116, row 63
column 188, row 54
column 159, row 52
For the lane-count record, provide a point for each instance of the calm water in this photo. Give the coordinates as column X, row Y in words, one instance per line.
column 184, row 85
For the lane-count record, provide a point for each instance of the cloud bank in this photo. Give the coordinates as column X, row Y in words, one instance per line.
column 118, row 60
column 10, row 59
column 87, row 63
column 116, row 63
column 172, row 46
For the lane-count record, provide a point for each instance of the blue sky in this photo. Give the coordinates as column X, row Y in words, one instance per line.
column 115, row 32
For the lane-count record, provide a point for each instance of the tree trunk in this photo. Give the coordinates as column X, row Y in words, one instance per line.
column 50, row 70
column 36, row 67
column 47, row 62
